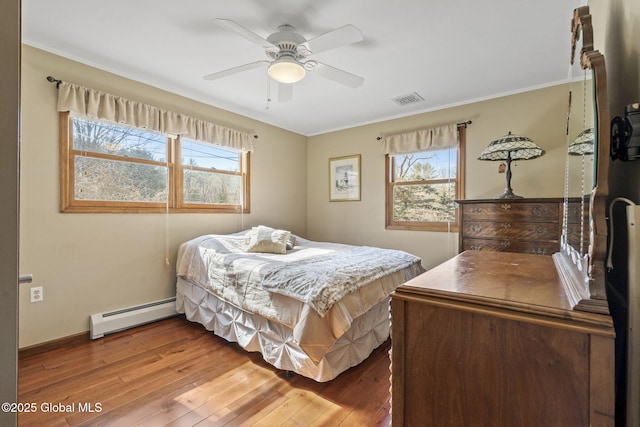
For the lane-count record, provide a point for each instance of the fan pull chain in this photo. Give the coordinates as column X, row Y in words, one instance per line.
column 268, row 94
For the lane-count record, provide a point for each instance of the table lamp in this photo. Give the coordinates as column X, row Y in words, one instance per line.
column 508, row 148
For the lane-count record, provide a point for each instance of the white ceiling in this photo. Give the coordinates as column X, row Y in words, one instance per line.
column 450, row 52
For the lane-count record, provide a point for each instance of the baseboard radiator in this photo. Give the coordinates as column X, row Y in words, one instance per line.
column 125, row 318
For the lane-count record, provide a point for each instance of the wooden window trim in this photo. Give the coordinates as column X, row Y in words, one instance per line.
column 68, row 204
column 390, row 184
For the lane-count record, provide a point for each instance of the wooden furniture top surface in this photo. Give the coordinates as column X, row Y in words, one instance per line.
column 522, row 200
column 511, row 281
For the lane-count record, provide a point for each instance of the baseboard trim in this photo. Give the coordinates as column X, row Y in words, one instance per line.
column 44, row 347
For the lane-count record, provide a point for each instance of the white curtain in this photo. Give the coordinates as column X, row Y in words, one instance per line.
column 103, row 106
column 421, row 140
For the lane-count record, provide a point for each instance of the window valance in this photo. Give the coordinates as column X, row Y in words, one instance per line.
column 421, row 140
column 103, row 106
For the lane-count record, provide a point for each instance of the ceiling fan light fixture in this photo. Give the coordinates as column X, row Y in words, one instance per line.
column 286, row 70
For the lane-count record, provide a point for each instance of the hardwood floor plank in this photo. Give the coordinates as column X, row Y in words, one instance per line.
column 175, row 373
column 293, row 401
column 59, row 383
column 251, row 405
column 107, row 351
column 172, row 356
column 167, row 383
column 188, row 399
column 328, row 396
column 147, row 408
column 361, row 404
column 377, row 381
column 190, row 419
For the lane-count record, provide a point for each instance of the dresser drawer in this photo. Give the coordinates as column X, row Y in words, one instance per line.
column 536, row 248
column 507, row 211
column 511, row 230
column 511, row 225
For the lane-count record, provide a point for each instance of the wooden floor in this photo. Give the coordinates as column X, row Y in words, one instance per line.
column 174, row 373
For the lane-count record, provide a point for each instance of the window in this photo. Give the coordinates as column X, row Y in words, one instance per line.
column 210, row 174
column 107, row 167
column 422, row 188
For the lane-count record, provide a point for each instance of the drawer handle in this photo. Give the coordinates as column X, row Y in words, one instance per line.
column 506, row 206
column 476, row 247
column 476, row 210
column 539, row 251
column 505, row 243
column 540, row 230
column 476, row 228
column 505, row 225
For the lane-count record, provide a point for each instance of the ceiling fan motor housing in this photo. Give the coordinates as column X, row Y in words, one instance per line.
column 288, row 42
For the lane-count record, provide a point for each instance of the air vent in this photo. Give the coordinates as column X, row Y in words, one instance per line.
column 411, row 98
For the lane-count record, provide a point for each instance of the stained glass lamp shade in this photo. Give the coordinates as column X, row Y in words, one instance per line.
column 582, row 144
column 508, row 148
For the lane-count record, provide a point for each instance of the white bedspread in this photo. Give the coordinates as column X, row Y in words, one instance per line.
column 219, row 264
column 323, row 280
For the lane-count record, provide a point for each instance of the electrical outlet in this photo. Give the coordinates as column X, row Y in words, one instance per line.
column 37, row 294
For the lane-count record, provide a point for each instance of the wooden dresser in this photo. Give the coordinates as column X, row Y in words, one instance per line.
column 489, row 339
column 511, row 225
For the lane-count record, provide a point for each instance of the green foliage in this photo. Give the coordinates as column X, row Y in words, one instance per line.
column 424, row 203
column 428, row 202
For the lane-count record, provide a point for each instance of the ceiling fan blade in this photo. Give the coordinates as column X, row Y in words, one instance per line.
column 338, row 75
column 244, row 32
column 338, row 37
column 285, row 92
column 230, row 71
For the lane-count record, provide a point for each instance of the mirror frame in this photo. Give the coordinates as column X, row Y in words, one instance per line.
column 584, row 278
column 581, row 115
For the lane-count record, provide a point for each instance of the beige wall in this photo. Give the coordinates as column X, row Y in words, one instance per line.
column 91, row 263
column 539, row 114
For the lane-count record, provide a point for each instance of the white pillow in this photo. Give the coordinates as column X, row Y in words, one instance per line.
column 269, row 240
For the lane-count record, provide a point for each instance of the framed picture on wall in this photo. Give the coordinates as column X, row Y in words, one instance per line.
column 344, row 178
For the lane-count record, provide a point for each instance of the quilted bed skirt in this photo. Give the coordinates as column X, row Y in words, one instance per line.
column 275, row 341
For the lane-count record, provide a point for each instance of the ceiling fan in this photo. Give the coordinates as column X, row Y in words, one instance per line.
column 289, row 53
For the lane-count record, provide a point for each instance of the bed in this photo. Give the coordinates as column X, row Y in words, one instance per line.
column 313, row 308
